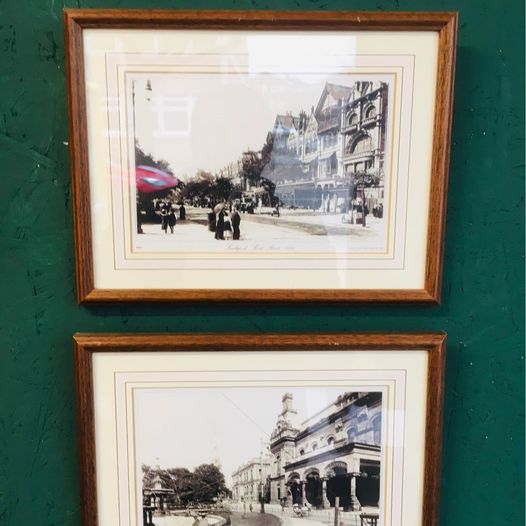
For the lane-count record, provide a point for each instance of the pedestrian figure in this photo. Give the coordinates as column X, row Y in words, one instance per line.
column 227, row 228
column 164, row 216
column 212, row 221
column 220, row 225
column 250, row 507
column 236, row 220
column 182, row 212
column 171, row 217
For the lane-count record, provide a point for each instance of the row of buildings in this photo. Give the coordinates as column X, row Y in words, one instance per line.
column 334, row 453
column 332, row 156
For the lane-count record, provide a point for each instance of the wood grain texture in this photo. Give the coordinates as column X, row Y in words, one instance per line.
column 79, row 155
column 445, row 23
column 86, row 435
column 258, row 19
column 88, row 343
column 447, row 45
column 259, row 295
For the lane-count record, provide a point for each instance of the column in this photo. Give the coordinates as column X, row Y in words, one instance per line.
column 355, row 503
column 303, row 493
column 290, row 500
column 324, row 500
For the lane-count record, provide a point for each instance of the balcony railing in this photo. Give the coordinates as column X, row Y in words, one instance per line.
column 359, row 155
column 350, row 127
column 360, row 124
column 371, row 120
column 328, row 124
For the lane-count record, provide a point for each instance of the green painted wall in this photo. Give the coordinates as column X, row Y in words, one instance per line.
column 483, row 288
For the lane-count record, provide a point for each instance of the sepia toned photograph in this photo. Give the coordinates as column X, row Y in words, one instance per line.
column 299, row 456
column 260, row 157
column 280, row 162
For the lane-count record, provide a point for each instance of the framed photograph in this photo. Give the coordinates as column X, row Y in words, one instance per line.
column 259, row 155
column 246, row 429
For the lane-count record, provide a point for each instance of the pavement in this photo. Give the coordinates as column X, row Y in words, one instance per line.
column 237, row 519
column 265, row 234
column 315, row 518
column 321, row 224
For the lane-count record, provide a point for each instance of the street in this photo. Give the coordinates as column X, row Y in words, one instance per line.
column 292, row 232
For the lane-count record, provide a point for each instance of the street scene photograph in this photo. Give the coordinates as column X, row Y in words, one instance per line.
column 271, row 163
column 259, row 456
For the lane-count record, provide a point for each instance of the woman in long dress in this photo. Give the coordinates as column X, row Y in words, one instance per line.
column 220, row 225
column 171, row 218
column 164, row 216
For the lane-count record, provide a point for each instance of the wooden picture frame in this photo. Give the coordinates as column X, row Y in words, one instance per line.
column 251, row 284
column 112, row 368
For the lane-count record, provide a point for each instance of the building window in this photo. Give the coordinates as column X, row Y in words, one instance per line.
column 377, row 429
column 364, row 143
column 302, row 452
column 370, row 113
column 353, row 119
column 314, row 446
column 330, row 441
column 351, row 434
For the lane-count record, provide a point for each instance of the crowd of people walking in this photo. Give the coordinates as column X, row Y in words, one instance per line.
column 167, row 211
column 224, row 220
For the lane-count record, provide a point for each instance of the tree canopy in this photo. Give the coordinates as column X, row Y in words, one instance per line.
column 146, row 159
column 205, row 484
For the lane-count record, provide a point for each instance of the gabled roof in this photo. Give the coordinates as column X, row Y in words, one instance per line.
column 337, row 91
column 287, row 121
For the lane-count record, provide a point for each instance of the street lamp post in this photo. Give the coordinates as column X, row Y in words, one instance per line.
column 261, row 484
column 138, row 196
column 261, row 497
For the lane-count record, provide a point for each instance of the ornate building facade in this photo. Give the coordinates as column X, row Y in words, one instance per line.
column 335, row 453
column 339, row 144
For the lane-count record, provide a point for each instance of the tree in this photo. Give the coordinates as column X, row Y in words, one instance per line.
column 209, row 483
column 363, row 179
column 359, row 182
column 223, row 188
column 202, row 187
column 252, row 166
column 183, row 484
column 146, row 159
column 148, row 474
column 206, row 484
column 266, row 151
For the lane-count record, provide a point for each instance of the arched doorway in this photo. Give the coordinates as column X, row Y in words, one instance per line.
column 368, row 485
column 313, row 488
column 294, row 486
column 338, row 484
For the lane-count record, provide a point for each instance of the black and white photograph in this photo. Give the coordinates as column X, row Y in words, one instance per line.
column 261, row 163
column 260, row 456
